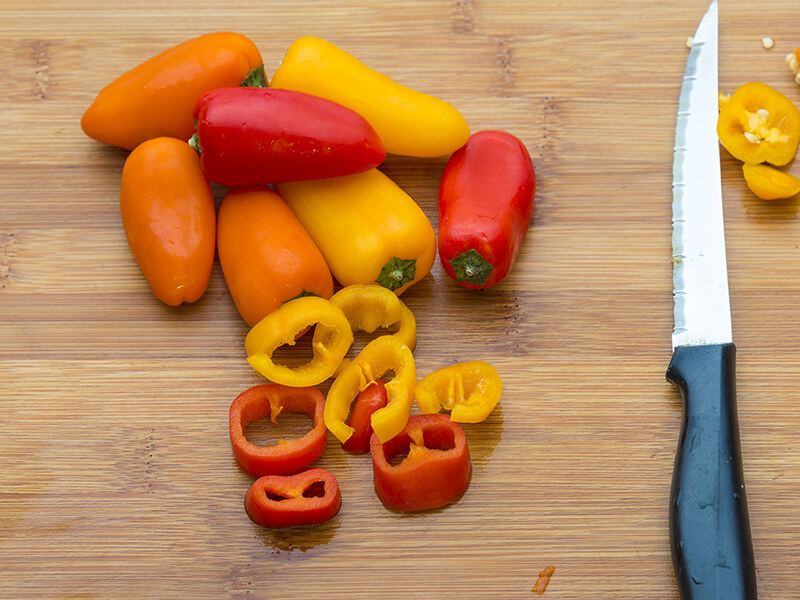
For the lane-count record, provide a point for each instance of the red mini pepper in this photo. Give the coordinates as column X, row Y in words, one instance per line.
column 306, row 498
column 256, row 136
column 367, row 402
column 285, row 457
column 434, row 473
column 485, row 208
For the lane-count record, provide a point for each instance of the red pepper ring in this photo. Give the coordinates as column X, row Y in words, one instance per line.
column 436, row 470
column 287, row 456
column 305, row 498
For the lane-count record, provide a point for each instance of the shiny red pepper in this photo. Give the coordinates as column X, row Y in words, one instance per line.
column 305, row 498
column 255, row 136
column 434, row 473
column 485, row 208
column 366, row 403
column 285, row 457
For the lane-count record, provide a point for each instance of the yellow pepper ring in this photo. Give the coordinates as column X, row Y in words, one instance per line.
column 383, row 355
column 332, row 339
column 469, row 390
column 371, row 306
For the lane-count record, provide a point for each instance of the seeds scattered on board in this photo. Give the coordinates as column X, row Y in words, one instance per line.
column 767, row 42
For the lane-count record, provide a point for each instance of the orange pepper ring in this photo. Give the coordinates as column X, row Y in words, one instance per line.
column 284, row 457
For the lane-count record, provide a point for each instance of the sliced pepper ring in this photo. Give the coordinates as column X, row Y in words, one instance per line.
column 434, row 473
column 306, row 498
column 369, row 307
column 382, row 356
column 470, row 390
column 332, row 339
column 286, row 456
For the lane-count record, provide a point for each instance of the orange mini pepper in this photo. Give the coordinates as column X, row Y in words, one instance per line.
column 157, row 97
column 333, row 338
column 266, row 255
column 168, row 213
column 382, row 357
column 759, row 124
column 469, row 390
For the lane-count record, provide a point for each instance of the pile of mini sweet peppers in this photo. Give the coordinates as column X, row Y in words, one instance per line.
column 307, row 208
column 760, row 126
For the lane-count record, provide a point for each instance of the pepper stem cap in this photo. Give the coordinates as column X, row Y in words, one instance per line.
column 397, row 272
column 255, row 78
column 471, row 267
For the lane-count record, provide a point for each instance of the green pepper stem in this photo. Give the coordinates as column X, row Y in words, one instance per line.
column 397, row 272
column 471, row 267
column 255, row 78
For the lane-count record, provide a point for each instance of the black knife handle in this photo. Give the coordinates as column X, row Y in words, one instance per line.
column 712, row 551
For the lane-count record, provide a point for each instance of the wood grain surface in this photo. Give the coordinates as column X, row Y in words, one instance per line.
column 116, row 476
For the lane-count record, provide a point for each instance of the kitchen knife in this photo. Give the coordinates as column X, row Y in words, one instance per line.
column 712, row 551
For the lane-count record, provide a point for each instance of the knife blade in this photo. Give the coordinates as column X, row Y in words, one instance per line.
column 710, row 539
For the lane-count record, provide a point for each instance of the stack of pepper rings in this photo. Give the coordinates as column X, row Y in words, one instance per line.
column 368, row 408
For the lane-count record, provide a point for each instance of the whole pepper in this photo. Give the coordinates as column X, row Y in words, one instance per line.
column 485, row 208
column 409, row 122
column 256, row 136
column 266, row 255
column 157, row 97
column 168, row 214
column 367, row 228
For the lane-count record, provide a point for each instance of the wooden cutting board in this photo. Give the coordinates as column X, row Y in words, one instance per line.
column 116, row 475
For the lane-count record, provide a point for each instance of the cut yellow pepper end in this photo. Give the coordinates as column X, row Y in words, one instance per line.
column 332, row 339
column 383, row 356
column 759, row 124
column 469, row 390
column 769, row 183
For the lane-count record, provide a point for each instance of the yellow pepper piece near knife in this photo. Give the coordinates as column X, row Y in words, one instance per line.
column 409, row 122
column 332, row 339
column 759, row 124
column 769, row 183
column 385, row 356
column 367, row 228
column 469, row 390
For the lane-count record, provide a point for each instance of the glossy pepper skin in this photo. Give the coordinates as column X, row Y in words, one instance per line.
column 257, row 136
column 485, row 208
column 434, row 473
column 287, row 456
column 384, row 357
column 469, row 390
column 266, row 255
column 167, row 210
column 333, row 338
column 157, row 97
column 371, row 399
column 769, row 183
column 307, row 498
column 367, row 228
column 759, row 124
column 409, row 122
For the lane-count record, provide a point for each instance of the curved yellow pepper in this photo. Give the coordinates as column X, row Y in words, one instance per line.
column 369, row 307
column 367, row 228
column 408, row 122
column 382, row 356
column 469, row 390
column 770, row 183
column 332, row 339
column 759, row 124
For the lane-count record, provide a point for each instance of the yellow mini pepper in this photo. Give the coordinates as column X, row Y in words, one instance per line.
column 370, row 307
column 469, row 390
column 759, row 124
column 408, row 122
column 332, row 339
column 383, row 356
column 770, row 183
column 367, row 228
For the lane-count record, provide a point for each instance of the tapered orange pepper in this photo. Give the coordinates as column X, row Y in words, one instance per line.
column 157, row 97
column 759, row 124
column 167, row 210
column 266, row 255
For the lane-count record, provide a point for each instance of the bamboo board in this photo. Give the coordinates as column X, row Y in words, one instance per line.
column 116, row 475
